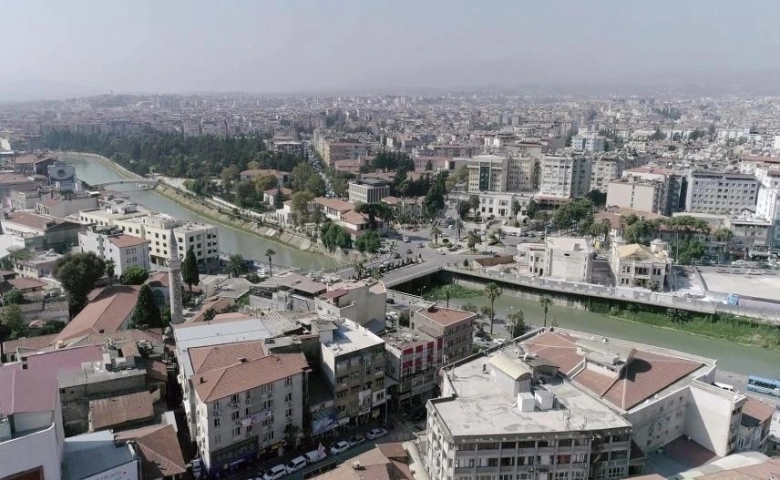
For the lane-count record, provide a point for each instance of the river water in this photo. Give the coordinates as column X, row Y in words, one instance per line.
column 230, row 240
column 731, row 357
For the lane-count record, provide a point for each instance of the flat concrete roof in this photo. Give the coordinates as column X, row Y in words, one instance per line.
column 483, row 408
column 351, row 337
column 758, row 286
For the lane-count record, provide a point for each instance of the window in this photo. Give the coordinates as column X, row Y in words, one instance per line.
column 235, row 415
column 216, row 422
column 217, row 439
column 236, row 431
column 492, row 462
column 288, row 382
column 288, row 413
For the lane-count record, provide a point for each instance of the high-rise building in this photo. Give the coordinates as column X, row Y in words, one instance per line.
column 604, row 170
column 564, row 176
column 487, row 173
column 712, row 192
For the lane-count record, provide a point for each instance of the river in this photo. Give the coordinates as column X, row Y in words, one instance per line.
column 731, row 357
column 231, row 240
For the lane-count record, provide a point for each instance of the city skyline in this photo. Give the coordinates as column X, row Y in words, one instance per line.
column 89, row 47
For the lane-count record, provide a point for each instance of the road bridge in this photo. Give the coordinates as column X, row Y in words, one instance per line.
column 100, row 186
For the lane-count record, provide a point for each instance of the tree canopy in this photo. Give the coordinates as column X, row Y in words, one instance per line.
column 78, row 273
column 369, row 242
column 189, row 269
column 146, row 312
column 134, row 275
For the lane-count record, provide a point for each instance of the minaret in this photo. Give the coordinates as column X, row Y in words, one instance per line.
column 174, row 279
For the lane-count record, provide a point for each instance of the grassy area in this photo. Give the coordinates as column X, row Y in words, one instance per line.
column 728, row 327
column 456, row 291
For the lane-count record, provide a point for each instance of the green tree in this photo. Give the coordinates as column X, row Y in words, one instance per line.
column 429, row 166
column 597, row 197
column 237, row 265
column 369, row 242
column 301, row 202
column 12, row 319
column 134, row 275
column 246, row 194
column 229, row 176
column 545, row 302
column 474, row 204
column 516, row 208
column 472, row 239
column 435, row 232
column 531, row 208
column 374, row 210
column 110, row 270
column 78, row 273
column 13, row 297
column 189, row 269
column 492, row 292
column 266, row 182
column 146, row 312
column 657, row 135
column 359, row 268
column 209, row 314
column 269, row 254
column 470, row 307
column 278, row 199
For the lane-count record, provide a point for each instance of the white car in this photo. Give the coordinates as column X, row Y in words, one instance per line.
column 275, row 473
column 375, row 433
column 339, row 447
column 296, row 464
column 356, row 440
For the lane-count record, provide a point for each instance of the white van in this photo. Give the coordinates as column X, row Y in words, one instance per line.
column 315, row 456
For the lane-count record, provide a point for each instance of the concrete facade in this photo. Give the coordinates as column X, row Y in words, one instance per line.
column 568, row 259
column 721, row 192
column 564, row 176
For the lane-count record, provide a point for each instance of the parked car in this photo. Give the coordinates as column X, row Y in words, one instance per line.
column 275, row 473
column 396, row 255
column 375, row 433
column 390, row 301
column 338, row 447
column 315, row 456
column 296, row 464
column 356, row 440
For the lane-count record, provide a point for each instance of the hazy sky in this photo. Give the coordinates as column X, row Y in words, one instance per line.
column 292, row 45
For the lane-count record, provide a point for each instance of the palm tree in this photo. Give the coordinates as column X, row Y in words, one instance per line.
column 269, row 253
column 236, row 265
column 447, row 292
column 545, row 302
column 492, row 292
column 359, row 268
column 435, row 232
column 472, row 240
column 110, row 270
column 722, row 235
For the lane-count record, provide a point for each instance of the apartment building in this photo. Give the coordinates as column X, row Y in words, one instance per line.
column 353, row 362
column 504, row 416
column 674, row 185
column 636, row 194
column 413, row 359
column 710, row 192
column 112, row 212
column 368, row 190
column 51, row 232
column 522, row 173
column 637, row 265
column 603, row 171
column 665, row 395
column 564, row 176
column 588, row 142
column 245, row 407
column 156, row 228
column 452, row 151
column 333, row 151
column 109, row 244
column 454, row 327
column 288, row 146
column 358, row 301
column 487, row 173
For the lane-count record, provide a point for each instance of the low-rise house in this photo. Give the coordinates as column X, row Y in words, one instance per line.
column 109, row 310
column 56, row 232
column 455, row 327
column 358, row 301
column 638, row 265
column 754, row 428
column 109, row 243
column 40, row 265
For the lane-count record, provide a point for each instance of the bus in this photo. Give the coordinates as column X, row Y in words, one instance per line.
column 766, row 386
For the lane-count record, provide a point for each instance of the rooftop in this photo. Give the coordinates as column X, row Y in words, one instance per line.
column 115, row 411
column 92, row 453
column 124, row 241
column 568, row 244
column 483, row 408
column 350, row 337
column 219, row 356
column 159, row 449
column 248, row 374
column 403, row 338
column 445, row 316
column 107, row 310
column 639, row 252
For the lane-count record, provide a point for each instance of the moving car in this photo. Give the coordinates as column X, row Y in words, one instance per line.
column 275, row 473
column 296, row 464
column 375, row 433
column 338, row 447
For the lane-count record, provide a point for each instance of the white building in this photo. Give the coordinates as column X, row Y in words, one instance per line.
column 368, row 190
column 354, row 300
column 568, row 259
column 487, row 173
column 565, row 176
column 522, row 173
column 125, row 250
column 721, row 192
column 603, row 171
column 637, row 194
column 588, row 142
column 637, row 265
column 203, row 238
column 495, row 420
column 238, row 397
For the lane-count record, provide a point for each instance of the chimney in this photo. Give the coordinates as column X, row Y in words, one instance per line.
column 202, row 380
column 242, row 360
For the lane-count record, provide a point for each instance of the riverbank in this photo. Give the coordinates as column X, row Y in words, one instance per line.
column 220, row 217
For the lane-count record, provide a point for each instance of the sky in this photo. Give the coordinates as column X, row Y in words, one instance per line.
column 54, row 48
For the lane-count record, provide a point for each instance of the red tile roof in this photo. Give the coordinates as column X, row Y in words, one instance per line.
column 107, row 310
column 758, row 410
column 646, row 374
column 334, row 204
column 221, row 383
column 23, row 283
column 124, row 240
column 159, row 448
column 209, row 358
column 38, row 222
